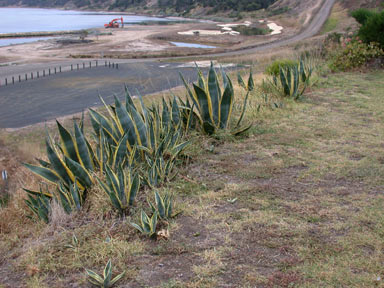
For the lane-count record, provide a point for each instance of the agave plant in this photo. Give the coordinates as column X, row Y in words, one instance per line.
column 158, row 171
column 293, row 80
column 160, row 162
column 70, row 161
column 104, row 281
column 147, row 224
column 75, row 244
column 146, row 137
column 70, row 197
column 126, row 127
column 163, row 205
column 39, row 202
column 213, row 104
column 121, row 187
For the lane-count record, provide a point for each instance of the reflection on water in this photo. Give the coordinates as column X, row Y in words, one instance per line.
column 191, row 45
column 13, row 41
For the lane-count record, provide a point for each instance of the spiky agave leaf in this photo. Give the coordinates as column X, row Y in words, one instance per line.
column 163, row 205
column 107, row 273
column 117, row 278
column 147, row 224
column 121, row 187
column 75, row 161
column 106, row 281
column 39, row 203
column 214, row 106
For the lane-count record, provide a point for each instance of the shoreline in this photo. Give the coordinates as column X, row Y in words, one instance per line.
column 39, row 34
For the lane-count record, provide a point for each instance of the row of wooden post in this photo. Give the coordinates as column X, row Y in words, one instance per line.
column 56, row 70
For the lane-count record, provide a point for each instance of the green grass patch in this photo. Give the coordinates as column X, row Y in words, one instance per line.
column 330, row 24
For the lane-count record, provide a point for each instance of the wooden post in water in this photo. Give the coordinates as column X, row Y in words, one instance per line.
column 49, row 71
column 71, row 67
column 38, row 74
column 19, row 78
column 6, row 81
column 13, row 80
column 77, row 66
column 26, row 77
column 31, row 75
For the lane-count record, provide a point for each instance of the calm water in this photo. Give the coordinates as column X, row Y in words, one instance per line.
column 13, row 41
column 35, row 20
column 191, row 45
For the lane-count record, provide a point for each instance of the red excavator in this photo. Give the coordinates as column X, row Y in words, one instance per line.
column 114, row 23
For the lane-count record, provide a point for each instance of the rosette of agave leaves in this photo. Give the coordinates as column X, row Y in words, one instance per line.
column 212, row 103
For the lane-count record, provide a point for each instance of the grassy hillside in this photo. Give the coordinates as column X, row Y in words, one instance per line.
column 297, row 203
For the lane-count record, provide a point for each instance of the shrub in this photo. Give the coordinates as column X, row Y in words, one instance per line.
column 354, row 54
column 274, row 68
column 361, row 15
column 333, row 37
column 373, row 29
column 249, row 31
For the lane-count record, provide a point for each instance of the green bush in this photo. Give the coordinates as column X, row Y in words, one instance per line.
column 249, row 31
column 354, row 54
column 361, row 15
column 274, row 68
column 373, row 29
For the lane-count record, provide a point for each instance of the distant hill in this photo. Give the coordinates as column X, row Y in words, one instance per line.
column 178, row 6
column 355, row 4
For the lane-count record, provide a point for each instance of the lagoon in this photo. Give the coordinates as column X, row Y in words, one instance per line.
column 192, row 45
column 18, row 20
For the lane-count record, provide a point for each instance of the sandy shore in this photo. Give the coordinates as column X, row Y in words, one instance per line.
column 126, row 39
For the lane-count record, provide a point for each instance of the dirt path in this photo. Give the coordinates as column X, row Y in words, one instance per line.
column 312, row 29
